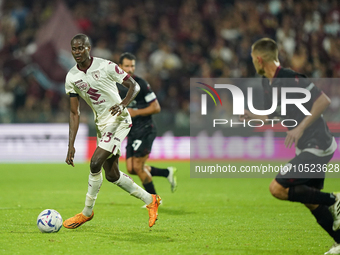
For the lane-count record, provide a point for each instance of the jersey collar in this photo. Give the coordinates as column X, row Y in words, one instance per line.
column 275, row 75
column 86, row 68
column 277, row 72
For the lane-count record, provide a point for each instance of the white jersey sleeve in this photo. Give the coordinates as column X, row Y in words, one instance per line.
column 116, row 73
column 69, row 88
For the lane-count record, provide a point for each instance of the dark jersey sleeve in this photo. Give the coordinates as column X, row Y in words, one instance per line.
column 301, row 81
column 74, row 95
column 146, row 91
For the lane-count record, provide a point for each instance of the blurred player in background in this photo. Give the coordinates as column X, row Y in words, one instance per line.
column 143, row 131
column 313, row 141
column 94, row 79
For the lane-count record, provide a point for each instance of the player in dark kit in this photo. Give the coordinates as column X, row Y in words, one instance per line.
column 313, row 142
column 143, row 131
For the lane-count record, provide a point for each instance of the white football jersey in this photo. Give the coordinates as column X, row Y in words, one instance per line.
column 97, row 86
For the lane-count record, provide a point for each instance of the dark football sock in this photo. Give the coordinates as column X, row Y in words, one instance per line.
column 150, row 188
column 159, row 172
column 325, row 220
column 308, row 195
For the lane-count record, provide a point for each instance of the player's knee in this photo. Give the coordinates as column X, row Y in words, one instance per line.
column 130, row 170
column 95, row 166
column 144, row 176
column 274, row 191
column 277, row 190
column 137, row 169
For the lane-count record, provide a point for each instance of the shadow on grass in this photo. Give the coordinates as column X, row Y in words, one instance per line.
column 138, row 235
column 162, row 209
column 145, row 237
column 117, row 204
column 170, row 211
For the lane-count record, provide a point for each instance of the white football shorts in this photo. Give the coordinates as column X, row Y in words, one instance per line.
column 111, row 136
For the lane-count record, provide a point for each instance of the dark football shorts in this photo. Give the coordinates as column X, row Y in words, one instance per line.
column 305, row 169
column 140, row 142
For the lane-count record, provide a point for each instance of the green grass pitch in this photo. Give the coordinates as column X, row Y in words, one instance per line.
column 204, row 216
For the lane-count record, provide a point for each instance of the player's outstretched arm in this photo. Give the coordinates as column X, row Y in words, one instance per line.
column 153, row 108
column 73, row 129
column 318, row 107
column 134, row 88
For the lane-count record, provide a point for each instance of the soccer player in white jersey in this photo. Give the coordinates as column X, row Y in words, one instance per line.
column 94, row 79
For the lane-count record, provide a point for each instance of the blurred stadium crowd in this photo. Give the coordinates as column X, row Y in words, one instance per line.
column 173, row 41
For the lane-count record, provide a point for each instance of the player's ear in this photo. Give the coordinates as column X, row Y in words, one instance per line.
column 259, row 60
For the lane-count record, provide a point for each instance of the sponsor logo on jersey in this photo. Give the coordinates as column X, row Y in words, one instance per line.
column 99, row 102
column 96, row 75
column 93, row 94
column 81, row 85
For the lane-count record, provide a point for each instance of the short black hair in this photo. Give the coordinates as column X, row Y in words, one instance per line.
column 84, row 38
column 127, row 55
column 267, row 46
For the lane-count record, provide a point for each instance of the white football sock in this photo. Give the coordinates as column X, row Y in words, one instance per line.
column 95, row 181
column 126, row 183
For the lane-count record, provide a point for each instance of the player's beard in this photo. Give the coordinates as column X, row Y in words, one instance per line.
column 261, row 71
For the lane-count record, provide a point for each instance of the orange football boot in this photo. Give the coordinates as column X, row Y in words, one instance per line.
column 77, row 220
column 153, row 209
